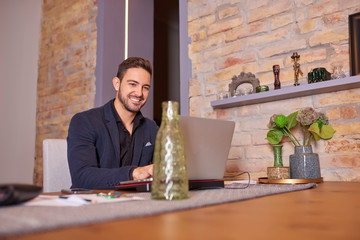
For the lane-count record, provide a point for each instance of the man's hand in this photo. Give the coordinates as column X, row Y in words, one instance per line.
column 143, row 172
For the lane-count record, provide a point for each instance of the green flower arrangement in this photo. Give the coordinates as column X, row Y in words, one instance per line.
column 314, row 125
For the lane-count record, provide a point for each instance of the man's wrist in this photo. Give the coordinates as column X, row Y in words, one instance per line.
column 131, row 173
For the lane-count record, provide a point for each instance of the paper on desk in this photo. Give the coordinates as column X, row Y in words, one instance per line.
column 75, row 200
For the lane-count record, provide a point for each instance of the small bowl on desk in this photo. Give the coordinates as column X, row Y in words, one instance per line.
column 262, row 88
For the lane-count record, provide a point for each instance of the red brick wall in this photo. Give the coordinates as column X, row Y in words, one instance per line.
column 233, row 36
column 228, row 36
column 67, row 59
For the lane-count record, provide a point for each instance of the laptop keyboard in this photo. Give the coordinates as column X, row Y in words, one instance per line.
column 137, row 181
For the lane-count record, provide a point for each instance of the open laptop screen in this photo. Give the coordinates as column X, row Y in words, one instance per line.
column 207, row 144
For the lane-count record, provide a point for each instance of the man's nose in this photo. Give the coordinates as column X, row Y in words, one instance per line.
column 139, row 91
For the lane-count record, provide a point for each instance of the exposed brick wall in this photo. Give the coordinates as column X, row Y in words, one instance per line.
column 233, row 36
column 67, row 59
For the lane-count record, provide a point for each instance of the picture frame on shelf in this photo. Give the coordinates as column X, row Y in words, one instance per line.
column 354, row 43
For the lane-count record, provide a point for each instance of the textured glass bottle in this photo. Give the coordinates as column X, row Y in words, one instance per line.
column 170, row 181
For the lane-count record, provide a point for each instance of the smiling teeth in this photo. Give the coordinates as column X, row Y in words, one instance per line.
column 134, row 99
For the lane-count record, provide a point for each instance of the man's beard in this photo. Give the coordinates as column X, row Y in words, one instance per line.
column 125, row 103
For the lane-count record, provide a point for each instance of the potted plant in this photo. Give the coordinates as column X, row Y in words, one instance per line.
column 304, row 164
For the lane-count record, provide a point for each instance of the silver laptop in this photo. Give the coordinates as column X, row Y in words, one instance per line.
column 207, row 144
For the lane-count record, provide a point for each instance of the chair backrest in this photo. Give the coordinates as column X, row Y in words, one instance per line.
column 55, row 165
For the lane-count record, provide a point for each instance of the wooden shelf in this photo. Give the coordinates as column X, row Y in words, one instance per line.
column 289, row 92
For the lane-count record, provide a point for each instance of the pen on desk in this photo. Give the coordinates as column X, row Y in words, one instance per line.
column 66, row 197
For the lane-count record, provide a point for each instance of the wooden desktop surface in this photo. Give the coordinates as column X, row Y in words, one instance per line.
column 330, row 211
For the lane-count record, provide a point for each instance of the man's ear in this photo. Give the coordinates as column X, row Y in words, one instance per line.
column 116, row 83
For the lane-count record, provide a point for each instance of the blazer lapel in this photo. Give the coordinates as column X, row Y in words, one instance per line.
column 113, row 130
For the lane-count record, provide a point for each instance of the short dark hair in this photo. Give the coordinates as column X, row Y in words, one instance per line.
column 133, row 62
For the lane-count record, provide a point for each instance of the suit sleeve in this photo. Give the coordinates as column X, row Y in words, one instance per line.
column 86, row 168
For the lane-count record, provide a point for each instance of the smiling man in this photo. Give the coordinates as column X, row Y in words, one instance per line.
column 114, row 143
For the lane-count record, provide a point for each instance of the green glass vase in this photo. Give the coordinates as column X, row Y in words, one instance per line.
column 278, row 171
column 277, row 155
column 170, row 180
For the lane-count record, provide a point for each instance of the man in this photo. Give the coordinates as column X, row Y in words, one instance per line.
column 114, row 142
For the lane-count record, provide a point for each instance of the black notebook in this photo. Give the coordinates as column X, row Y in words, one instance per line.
column 17, row 193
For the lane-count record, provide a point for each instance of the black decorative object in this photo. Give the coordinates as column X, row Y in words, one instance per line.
column 354, row 40
column 318, row 75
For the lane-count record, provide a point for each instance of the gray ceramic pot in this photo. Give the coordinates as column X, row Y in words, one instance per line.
column 304, row 164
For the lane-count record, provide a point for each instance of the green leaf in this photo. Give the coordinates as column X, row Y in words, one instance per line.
column 320, row 123
column 315, row 131
column 292, row 122
column 274, row 136
column 326, row 132
column 316, row 137
column 314, row 128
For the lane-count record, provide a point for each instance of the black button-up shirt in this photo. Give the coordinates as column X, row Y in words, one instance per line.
column 126, row 141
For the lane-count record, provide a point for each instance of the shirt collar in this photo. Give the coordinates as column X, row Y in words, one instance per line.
column 137, row 120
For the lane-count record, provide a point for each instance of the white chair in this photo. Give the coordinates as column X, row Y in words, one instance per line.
column 56, row 174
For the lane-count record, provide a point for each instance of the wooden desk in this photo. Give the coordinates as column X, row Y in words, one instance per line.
column 330, row 211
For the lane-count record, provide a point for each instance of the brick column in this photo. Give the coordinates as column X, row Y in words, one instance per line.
column 66, row 83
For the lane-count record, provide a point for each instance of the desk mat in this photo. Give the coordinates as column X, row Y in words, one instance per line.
column 17, row 220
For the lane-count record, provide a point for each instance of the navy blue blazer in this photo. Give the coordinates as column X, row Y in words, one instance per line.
column 94, row 148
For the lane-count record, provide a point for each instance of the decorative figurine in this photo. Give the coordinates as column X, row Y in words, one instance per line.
column 318, row 75
column 276, row 71
column 297, row 69
column 337, row 72
column 241, row 79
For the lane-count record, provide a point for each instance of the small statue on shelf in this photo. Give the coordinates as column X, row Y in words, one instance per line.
column 337, row 72
column 276, row 71
column 297, row 69
column 241, row 79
